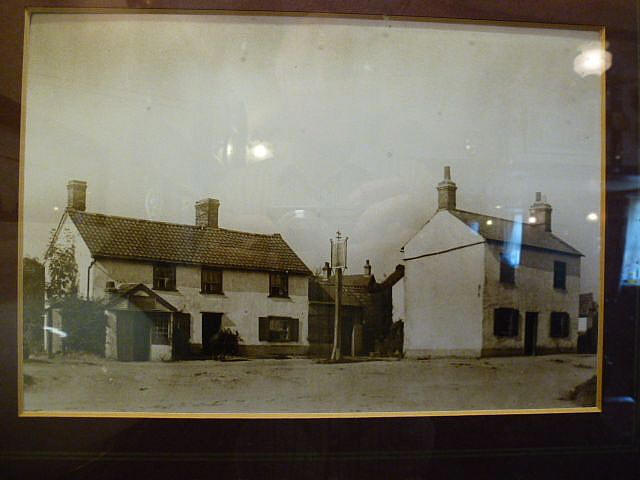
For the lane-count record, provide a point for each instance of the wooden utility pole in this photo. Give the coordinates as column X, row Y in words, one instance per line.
column 337, row 325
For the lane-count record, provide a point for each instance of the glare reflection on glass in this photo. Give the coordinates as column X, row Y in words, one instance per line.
column 259, row 151
column 56, row 331
column 514, row 243
column 593, row 60
column 489, row 222
column 298, row 213
column 532, row 220
column 592, row 217
column 631, row 260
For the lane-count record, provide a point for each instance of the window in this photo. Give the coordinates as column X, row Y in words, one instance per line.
column 559, row 325
column 160, row 331
column 277, row 329
column 164, row 276
column 278, row 285
column 560, row 275
column 211, row 280
column 507, row 271
column 505, row 322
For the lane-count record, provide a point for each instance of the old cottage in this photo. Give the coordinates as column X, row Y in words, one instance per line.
column 161, row 282
column 477, row 284
column 366, row 311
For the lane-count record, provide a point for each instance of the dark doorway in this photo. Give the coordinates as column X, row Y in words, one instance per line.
column 530, row 333
column 210, row 326
column 181, row 336
column 134, row 336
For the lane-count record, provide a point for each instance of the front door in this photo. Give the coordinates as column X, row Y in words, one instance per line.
column 210, row 326
column 133, row 336
column 530, row 333
column 181, row 335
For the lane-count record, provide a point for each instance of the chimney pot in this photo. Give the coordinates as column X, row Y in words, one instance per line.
column 327, row 270
column 77, row 195
column 367, row 268
column 207, row 212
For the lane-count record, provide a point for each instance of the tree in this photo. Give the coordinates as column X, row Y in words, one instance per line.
column 62, row 267
column 33, row 304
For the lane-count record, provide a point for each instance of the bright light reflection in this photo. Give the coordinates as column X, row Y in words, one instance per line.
column 259, row 151
column 592, row 217
column 56, row 331
column 532, row 220
column 593, row 60
column 298, row 213
column 489, row 222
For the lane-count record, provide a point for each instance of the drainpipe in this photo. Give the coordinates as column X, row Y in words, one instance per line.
column 88, row 276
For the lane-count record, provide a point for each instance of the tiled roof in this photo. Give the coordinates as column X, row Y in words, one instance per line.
column 131, row 238
column 355, row 289
column 499, row 230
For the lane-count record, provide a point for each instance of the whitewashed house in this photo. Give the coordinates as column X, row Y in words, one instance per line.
column 156, row 278
column 478, row 285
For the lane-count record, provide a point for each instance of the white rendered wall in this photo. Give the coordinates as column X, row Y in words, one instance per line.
column 244, row 299
column 443, row 289
column 397, row 299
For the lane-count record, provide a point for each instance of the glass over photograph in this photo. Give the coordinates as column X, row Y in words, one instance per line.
column 296, row 215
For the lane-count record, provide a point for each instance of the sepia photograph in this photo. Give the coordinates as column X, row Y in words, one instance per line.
column 278, row 215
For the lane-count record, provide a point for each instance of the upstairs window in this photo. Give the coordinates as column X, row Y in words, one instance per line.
column 507, row 271
column 277, row 329
column 505, row 322
column 559, row 325
column 164, row 276
column 560, row 275
column 211, row 280
column 278, row 285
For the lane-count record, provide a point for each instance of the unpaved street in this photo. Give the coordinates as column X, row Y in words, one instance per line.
column 303, row 385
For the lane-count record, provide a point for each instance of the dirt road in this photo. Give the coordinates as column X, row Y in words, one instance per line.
column 303, row 385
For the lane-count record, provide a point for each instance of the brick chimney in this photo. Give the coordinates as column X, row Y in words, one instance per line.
column 327, row 271
column 540, row 213
column 77, row 195
column 447, row 192
column 207, row 212
column 367, row 268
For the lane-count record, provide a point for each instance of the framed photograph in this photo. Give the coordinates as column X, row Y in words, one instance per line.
column 406, row 216
column 204, row 162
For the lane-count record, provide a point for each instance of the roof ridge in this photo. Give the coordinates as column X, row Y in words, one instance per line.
column 161, row 222
column 486, row 215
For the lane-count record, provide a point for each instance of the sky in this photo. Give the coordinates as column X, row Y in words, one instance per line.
column 355, row 120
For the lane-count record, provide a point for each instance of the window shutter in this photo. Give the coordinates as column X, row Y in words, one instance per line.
column 293, row 329
column 263, row 329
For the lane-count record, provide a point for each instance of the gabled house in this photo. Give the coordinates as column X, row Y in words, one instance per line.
column 165, row 284
column 477, row 284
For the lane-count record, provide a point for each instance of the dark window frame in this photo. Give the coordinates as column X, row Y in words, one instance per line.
column 507, row 271
column 559, row 275
column 559, row 325
column 278, row 329
column 279, row 289
column 207, row 286
column 506, row 322
column 164, row 282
